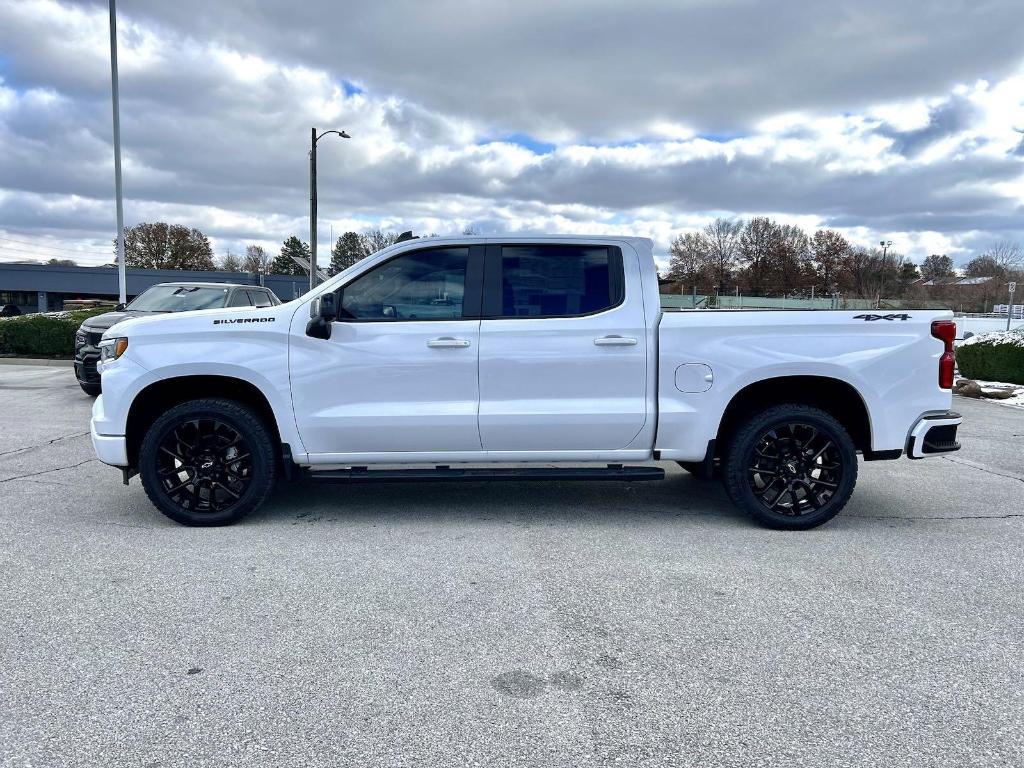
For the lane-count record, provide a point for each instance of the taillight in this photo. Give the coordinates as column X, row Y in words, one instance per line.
column 945, row 331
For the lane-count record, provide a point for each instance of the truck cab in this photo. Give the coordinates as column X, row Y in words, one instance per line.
column 454, row 357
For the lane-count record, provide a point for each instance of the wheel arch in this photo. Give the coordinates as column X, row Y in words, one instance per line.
column 157, row 397
column 834, row 396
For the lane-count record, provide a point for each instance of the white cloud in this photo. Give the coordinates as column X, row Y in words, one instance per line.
column 216, row 117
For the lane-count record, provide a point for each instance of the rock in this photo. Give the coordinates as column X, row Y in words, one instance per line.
column 970, row 389
column 997, row 394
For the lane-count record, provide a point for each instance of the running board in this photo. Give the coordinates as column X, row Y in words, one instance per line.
column 448, row 474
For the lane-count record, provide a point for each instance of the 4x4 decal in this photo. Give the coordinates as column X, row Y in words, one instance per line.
column 869, row 318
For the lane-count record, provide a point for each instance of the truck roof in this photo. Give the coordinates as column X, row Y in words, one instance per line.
column 520, row 237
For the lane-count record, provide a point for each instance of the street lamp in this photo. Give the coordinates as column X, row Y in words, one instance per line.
column 312, row 201
column 886, row 245
column 122, row 288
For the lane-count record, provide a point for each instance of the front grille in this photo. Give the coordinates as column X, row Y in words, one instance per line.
column 87, row 372
column 94, row 338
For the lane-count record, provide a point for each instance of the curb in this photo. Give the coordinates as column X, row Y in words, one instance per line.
column 40, row 362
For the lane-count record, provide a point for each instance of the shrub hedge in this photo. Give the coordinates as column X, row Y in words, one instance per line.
column 51, row 334
column 993, row 357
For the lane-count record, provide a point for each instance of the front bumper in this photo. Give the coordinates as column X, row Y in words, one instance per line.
column 110, row 449
column 85, row 368
column 87, row 355
column 934, row 434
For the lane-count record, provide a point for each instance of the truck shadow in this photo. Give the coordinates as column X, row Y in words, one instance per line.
column 679, row 495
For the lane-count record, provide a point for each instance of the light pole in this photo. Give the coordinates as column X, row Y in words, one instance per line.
column 122, row 295
column 886, row 245
column 312, row 201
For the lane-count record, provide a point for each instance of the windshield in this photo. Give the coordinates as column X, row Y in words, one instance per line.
column 178, row 298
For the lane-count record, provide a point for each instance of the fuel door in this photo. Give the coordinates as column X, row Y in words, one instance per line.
column 694, row 377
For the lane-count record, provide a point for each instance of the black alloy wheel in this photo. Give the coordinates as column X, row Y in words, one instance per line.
column 204, row 465
column 207, row 462
column 795, row 468
column 791, row 467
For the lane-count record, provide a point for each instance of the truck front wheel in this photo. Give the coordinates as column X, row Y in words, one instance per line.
column 792, row 467
column 207, row 462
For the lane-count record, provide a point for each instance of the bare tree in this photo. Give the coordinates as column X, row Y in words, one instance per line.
column 760, row 243
column 376, row 240
column 1008, row 256
column 937, row 265
column 688, row 258
column 256, row 260
column 230, row 263
column 723, row 244
column 791, row 265
column 166, row 246
column 829, row 250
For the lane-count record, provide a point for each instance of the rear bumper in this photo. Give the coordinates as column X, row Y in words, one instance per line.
column 933, row 434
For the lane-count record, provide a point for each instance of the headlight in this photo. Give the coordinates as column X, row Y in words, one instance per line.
column 111, row 349
column 80, row 339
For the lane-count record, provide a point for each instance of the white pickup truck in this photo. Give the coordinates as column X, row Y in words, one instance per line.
column 518, row 358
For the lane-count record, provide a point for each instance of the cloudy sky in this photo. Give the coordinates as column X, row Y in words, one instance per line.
column 899, row 119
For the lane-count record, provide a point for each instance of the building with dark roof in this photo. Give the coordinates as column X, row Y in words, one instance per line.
column 45, row 287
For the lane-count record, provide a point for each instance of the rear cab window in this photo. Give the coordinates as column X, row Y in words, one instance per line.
column 539, row 281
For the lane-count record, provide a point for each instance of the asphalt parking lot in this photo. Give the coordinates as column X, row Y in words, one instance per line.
column 563, row 624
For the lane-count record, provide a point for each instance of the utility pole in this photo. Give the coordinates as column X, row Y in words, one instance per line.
column 122, row 291
column 312, row 200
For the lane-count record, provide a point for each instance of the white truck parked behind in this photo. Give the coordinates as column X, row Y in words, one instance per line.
column 452, row 358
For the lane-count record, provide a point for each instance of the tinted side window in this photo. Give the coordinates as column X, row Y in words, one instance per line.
column 559, row 280
column 423, row 285
column 260, row 299
column 239, row 299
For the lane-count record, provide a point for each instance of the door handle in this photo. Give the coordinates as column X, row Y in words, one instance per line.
column 447, row 342
column 615, row 341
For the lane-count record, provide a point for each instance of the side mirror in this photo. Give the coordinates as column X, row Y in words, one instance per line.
column 324, row 313
column 120, row 307
column 328, row 312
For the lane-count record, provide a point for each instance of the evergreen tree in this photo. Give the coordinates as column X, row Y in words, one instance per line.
column 348, row 250
column 937, row 265
column 283, row 264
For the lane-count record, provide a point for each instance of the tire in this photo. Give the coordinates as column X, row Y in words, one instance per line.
column 92, row 390
column 779, row 480
column 207, row 462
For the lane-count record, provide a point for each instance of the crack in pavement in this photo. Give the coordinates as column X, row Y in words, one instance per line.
column 45, row 471
column 983, row 468
column 43, row 445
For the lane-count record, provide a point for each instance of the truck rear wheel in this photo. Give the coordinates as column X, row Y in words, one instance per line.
column 792, row 467
column 207, row 462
